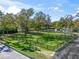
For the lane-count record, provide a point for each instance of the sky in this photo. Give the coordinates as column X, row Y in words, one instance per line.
column 55, row 8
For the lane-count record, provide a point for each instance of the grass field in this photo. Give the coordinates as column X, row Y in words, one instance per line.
column 31, row 43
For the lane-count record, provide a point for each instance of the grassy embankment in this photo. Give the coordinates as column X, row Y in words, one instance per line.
column 32, row 44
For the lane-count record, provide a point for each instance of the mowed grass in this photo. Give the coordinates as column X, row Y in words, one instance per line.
column 30, row 44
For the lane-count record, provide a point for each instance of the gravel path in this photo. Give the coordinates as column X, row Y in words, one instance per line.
column 70, row 52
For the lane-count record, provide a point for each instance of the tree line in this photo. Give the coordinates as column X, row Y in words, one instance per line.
column 25, row 20
column 68, row 21
column 28, row 19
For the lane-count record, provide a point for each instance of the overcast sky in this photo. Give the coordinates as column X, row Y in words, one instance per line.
column 55, row 8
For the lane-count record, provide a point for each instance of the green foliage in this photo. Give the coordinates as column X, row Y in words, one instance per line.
column 33, row 42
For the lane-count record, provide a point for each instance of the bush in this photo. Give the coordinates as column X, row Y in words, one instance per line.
column 7, row 30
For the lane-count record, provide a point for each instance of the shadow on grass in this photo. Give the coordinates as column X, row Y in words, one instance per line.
column 36, row 33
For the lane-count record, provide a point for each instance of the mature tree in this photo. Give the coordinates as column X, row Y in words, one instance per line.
column 56, row 24
column 77, row 14
column 1, row 16
column 40, row 20
column 31, row 24
column 30, row 12
column 76, row 23
column 23, row 18
column 48, row 22
column 67, row 21
column 8, row 22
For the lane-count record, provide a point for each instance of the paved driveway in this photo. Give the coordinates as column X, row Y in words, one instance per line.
column 12, row 55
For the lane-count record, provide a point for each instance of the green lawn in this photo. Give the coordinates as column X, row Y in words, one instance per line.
column 30, row 44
